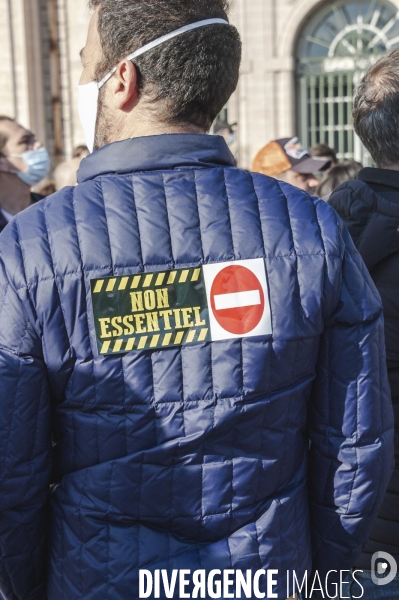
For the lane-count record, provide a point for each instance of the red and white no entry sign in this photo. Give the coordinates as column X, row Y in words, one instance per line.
column 238, row 299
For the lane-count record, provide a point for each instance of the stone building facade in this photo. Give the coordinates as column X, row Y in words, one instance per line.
column 40, row 68
column 301, row 61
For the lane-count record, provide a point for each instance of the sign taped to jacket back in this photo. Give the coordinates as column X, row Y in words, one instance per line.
column 181, row 306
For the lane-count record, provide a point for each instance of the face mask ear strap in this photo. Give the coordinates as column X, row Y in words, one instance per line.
column 162, row 40
column 106, row 78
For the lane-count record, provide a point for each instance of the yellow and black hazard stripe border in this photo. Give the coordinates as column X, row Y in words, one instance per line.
column 152, row 342
column 146, row 280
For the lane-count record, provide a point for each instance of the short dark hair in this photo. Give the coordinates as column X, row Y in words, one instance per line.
column 342, row 172
column 190, row 77
column 3, row 137
column 79, row 150
column 323, row 150
column 376, row 110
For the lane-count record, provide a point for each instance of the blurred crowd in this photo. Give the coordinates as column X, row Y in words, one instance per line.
column 26, row 175
column 316, row 170
column 25, row 169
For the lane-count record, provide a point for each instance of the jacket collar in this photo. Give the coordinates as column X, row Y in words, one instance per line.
column 380, row 179
column 158, row 152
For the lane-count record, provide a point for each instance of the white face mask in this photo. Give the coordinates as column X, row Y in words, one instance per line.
column 89, row 93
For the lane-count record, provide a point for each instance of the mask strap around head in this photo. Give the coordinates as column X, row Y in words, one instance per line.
column 163, row 39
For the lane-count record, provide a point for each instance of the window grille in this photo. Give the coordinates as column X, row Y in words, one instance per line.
column 338, row 44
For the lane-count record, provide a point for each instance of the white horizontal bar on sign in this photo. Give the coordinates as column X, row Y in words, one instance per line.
column 237, row 300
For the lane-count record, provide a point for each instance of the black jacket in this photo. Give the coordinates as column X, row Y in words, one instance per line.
column 3, row 221
column 370, row 209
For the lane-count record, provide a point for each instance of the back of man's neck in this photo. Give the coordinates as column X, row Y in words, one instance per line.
column 14, row 194
column 147, row 128
column 394, row 167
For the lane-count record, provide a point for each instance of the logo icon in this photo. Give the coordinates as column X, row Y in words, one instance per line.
column 295, row 149
column 238, row 299
column 384, row 565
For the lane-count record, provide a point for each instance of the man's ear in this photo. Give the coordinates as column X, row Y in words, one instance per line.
column 124, row 86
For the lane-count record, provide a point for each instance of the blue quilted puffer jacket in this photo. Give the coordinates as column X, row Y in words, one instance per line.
column 195, row 456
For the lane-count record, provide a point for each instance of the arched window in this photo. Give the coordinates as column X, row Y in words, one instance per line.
column 336, row 47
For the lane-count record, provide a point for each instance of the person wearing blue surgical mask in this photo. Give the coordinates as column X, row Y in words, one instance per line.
column 23, row 162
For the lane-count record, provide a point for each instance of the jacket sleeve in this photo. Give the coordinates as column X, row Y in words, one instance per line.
column 25, row 451
column 351, row 420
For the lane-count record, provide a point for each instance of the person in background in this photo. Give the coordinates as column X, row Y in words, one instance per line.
column 23, row 163
column 333, row 177
column 45, row 187
column 229, row 134
column 80, row 152
column 370, row 209
column 65, row 173
column 287, row 160
column 225, row 130
column 324, row 152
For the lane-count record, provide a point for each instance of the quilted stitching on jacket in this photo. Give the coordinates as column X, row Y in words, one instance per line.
column 196, row 456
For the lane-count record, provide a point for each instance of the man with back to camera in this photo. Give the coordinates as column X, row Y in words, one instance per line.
column 23, row 162
column 172, row 332
column 370, row 208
